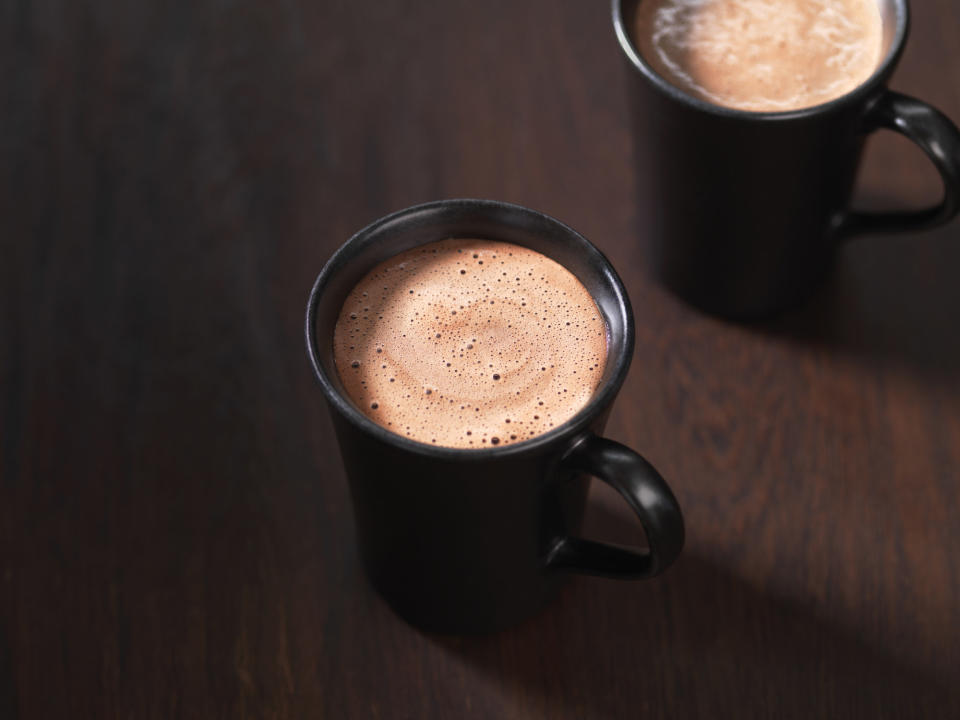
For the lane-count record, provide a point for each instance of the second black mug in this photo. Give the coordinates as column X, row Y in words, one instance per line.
column 743, row 211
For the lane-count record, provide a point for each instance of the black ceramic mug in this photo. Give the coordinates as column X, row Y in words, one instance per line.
column 743, row 211
column 463, row 540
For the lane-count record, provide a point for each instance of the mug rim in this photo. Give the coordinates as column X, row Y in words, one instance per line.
column 862, row 91
column 602, row 397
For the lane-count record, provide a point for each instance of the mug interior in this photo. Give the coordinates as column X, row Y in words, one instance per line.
column 482, row 219
column 893, row 14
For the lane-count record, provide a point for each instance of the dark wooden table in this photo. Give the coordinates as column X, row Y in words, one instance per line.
column 176, row 536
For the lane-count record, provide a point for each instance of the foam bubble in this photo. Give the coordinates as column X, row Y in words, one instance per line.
column 470, row 344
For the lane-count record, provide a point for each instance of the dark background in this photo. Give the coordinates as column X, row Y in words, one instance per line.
column 176, row 536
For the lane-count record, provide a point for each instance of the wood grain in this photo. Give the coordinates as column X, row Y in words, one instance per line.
column 175, row 528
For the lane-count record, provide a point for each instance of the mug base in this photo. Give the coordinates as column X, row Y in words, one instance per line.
column 745, row 308
column 436, row 615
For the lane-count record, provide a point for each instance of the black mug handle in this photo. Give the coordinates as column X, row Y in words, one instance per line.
column 647, row 494
column 938, row 137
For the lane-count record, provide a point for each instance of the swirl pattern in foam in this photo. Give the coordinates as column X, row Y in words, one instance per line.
column 761, row 55
column 470, row 344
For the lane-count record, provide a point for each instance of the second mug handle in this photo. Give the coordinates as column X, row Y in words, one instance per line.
column 938, row 137
column 647, row 494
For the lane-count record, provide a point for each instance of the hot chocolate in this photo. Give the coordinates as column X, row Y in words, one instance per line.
column 470, row 344
column 761, row 55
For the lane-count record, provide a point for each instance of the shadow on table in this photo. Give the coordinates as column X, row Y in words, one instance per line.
column 893, row 299
column 701, row 641
column 696, row 642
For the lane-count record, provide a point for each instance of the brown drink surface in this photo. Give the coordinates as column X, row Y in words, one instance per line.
column 761, row 55
column 470, row 344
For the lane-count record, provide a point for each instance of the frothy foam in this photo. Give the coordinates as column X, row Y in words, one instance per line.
column 761, row 55
column 470, row 344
